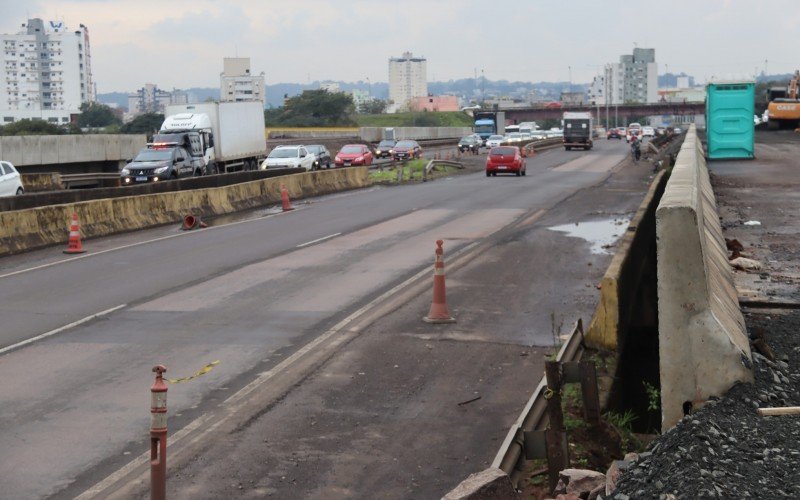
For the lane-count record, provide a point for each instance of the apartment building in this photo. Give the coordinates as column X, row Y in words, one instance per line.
column 634, row 79
column 237, row 83
column 46, row 72
column 408, row 79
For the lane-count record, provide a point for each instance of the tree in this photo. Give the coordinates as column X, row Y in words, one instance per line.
column 317, row 108
column 372, row 107
column 95, row 114
column 31, row 127
column 147, row 123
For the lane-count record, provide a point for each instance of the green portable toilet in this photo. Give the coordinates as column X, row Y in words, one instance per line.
column 729, row 119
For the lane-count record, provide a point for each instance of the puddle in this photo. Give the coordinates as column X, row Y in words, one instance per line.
column 240, row 216
column 601, row 234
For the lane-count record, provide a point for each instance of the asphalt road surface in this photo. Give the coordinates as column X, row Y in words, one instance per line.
column 250, row 294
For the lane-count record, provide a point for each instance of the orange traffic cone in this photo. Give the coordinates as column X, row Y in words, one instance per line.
column 287, row 205
column 192, row 222
column 439, row 312
column 74, row 244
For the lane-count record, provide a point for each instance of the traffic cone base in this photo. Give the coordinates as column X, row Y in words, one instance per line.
column 74, row 244
column 287, row 205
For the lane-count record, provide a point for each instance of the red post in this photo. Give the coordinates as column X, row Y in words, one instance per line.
column 158, row 436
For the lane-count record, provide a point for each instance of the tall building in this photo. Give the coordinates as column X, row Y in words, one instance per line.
column 151, row 99
column 236, row 83
column 329, row 86
column 633, row 80
column 46, row 72
column 407, row 79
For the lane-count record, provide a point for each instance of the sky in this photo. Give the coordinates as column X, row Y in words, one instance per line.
column 181, row 43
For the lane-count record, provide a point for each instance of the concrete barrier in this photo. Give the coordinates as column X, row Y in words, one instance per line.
column 703, row 345
column 22, row 230
column 35, row 150
column 376, row 134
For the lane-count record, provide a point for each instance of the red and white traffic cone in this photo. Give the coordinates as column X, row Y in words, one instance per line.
column 287, row 205
column 192, row 222
column 439, row 312
column 74, row 244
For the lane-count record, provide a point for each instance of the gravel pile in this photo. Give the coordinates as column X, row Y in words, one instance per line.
column 725, row 449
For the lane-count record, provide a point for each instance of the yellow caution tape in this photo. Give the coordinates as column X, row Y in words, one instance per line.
column 198, row 373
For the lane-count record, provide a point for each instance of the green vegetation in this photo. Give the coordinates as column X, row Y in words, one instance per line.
column 411, row 171
column 416, row 119
column 622, row 421
column 96, row 115
column 372, row 107
column 148, row 123
column 37, row 127
column 313, row 108
column 653, row 397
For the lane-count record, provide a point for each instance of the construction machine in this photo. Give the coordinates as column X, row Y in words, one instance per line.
column 784, row 106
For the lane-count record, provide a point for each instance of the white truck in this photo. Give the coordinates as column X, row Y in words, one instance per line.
column 578, row 130
column 232, row 132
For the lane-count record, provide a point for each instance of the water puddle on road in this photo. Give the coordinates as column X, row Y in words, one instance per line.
column 600, row 234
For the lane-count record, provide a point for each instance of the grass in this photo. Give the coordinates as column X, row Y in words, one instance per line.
column 421, row 119
column 411, row 171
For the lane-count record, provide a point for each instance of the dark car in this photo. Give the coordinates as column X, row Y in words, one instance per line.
column 505, row 160
column 323, row 156
column 154, row 164
column 407, row 149
column 469, row 143
column 385, row 148
column 613, row 133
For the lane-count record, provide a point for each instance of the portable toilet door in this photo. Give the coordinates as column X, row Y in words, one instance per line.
column 729, row 120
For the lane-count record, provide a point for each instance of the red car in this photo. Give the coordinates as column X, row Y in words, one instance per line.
column 613, row 133
column 505, row 160
column 407, row 149
column 353, row 154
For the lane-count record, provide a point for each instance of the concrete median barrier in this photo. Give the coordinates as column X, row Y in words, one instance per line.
column 22, row 230
column 703, row 345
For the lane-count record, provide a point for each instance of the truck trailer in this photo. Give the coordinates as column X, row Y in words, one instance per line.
column 578, row 130
column 488, row 123
column 232, row 132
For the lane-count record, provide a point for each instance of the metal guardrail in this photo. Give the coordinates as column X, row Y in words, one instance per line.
column 89, row 179
column 511, row 455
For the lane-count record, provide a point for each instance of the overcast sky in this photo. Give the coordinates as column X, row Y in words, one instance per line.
column 181, row 43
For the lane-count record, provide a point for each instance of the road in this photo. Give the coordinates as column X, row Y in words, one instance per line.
column 249, row 294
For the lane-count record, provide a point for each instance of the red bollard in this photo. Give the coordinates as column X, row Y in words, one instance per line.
column 439, row 313
column 158, row 436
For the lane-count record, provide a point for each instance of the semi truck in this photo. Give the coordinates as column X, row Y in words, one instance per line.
column 231, row 133
column 489, row 123
column 577, row 130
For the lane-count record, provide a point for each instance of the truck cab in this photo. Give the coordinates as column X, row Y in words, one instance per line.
column 193, row 131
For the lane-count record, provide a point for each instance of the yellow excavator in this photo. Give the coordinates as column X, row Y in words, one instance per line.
column 784, row 106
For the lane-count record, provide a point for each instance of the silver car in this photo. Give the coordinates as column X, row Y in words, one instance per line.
column 10, row 180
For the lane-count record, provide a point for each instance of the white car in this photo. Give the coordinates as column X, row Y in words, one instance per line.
column 677, row 131
column 289, row 157
column 494, row 141
column 648, row 132
column 10, row 180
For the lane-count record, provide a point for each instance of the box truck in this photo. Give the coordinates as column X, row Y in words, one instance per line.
column 577, row 130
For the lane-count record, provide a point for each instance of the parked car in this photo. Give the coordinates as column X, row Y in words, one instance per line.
column 613, row 133
column 153, row 164
column 10, row 180
column 385, row 148
column 322, row 156
column 407, row 149
column 289, row 157
column 469, row 143
column 494, row 141
column 648, row 132
column 505, row 160
column 353, row 154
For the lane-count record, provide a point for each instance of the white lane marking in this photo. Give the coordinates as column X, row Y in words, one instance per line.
column 259, row 380
column 123, row 247
column 318, row 240
column 60, row 329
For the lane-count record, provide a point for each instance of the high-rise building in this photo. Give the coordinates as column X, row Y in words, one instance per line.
column 329, row 86
column 407, row 79
column 236, row 83
column 633, row 80
column 46, row 72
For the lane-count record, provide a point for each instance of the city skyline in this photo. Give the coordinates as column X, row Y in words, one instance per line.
column 310, row 40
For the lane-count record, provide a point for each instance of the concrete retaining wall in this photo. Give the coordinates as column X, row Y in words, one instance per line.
column 41, row 182
column 703, row 345
column 376, row 134
column 26, row 229
column 32, row 150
